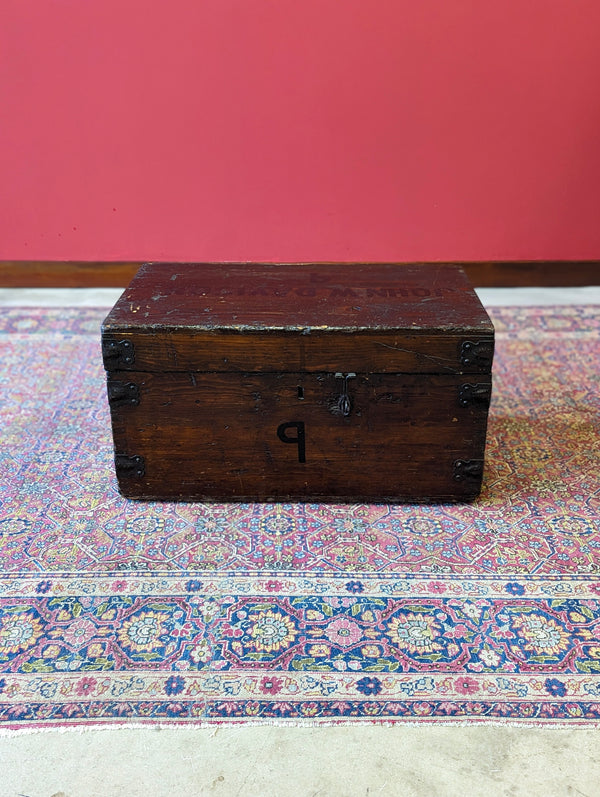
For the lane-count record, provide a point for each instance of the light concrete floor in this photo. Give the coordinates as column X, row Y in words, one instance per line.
column 106, row 297
column 269, row 761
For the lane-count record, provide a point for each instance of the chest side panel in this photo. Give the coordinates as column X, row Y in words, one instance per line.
column 318, row 436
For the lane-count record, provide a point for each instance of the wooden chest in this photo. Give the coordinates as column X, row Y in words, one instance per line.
column 299, row 382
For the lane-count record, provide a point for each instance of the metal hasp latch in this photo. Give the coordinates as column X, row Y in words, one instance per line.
column 343, row 404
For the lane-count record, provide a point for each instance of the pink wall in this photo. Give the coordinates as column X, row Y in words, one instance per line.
column 300, row 129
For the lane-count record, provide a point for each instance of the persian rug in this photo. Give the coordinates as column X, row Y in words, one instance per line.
column 115, row 612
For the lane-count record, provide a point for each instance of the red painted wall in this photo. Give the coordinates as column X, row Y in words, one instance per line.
column 300, row 129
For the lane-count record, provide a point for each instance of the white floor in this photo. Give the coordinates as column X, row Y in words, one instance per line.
column 106, row 297
column 268, row 761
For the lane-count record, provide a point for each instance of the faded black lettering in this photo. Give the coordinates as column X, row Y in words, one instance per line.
column 343, row 293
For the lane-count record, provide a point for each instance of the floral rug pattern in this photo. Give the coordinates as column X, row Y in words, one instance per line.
column 125, row 612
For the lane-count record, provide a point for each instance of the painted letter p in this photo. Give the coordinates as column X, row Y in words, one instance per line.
column 299, row 439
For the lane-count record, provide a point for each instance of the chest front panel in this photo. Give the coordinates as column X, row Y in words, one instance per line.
column 299, row 435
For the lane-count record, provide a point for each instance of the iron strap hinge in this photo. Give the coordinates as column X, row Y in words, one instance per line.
column 477, row 354
column 122, row 393
column 468, row 470
column 479, row 393
column 129, row 467
column 117, row 354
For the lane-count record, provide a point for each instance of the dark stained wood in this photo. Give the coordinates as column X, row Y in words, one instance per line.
column 269, row 317
column 507, row 274
column 298, row 297
column 65, row 274
column 214, row 436
column 98, row 274
column 402, row 351
column 272, row 382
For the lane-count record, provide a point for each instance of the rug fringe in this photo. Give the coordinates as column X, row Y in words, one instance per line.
column 218, row 725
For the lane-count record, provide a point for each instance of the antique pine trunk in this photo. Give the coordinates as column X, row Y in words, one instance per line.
column 299, row 382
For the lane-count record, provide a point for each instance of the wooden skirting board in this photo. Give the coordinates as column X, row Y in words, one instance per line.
column 84, row 274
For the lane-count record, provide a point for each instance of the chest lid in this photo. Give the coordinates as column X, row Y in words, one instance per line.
column 378, row 318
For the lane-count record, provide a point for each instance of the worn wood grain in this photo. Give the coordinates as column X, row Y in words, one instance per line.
column 320, row 351
column 214, row 436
